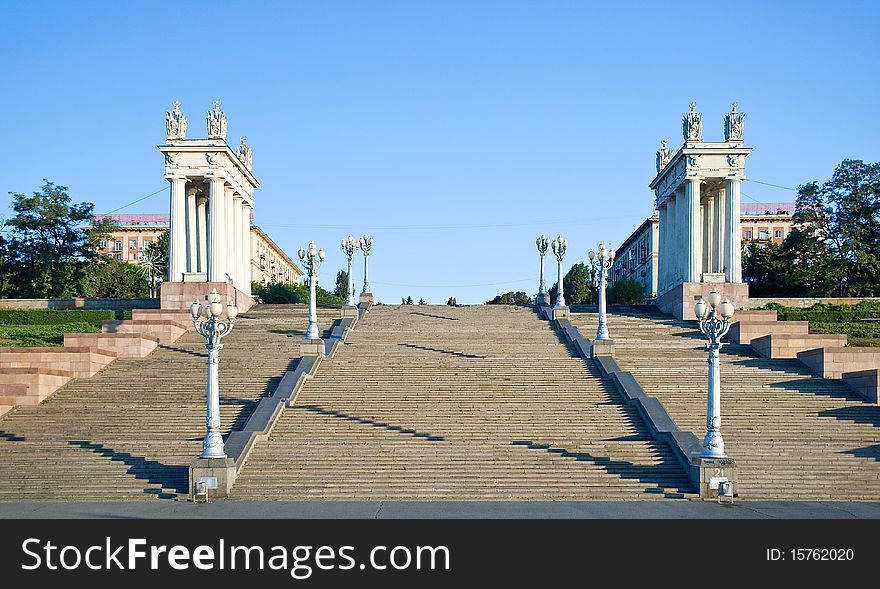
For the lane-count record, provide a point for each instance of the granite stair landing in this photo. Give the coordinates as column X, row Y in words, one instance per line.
column 793, row 435
column 469, row 403
column 132, row 430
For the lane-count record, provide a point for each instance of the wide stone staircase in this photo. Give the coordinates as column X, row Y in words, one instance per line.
column 132, row 430
column 439, row 402
column 793, row 435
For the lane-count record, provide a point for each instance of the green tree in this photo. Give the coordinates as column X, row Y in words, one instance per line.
column 512, row 298
column 576, row 286
column 835, row 241
column 627, row 292
column 115, row 279
column 51, row 243
column 341, row 284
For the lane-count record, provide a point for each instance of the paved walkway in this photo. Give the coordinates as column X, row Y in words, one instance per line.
column 684, row 509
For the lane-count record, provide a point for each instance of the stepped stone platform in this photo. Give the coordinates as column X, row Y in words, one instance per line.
column 467, row 403
column 788, row 345
column 793, row 435
column 166, row 331
column 131, row 431
column 124, row 345
column 747, row 330
column 81, row 361
column 29, row 386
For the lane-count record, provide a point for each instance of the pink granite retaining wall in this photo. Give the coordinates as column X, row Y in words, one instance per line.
column 29, row 386
column 679, row 301
column 833, row 362
column 81, row 361
column 864, row 382
column 126, row 345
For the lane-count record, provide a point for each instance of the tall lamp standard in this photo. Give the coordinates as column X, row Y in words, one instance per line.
column 213, row 329
column 349, row 245
column 714, row 322
column 559, row 245
column 601, row 264
column 365, row 243
column 542, row 297
column 311, row 260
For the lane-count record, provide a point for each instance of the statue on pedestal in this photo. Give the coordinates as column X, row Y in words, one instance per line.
column 175, row 123
column 663, row 155
column 693, row 124
column 216, row 122
column 733, row 124
column 244, row 153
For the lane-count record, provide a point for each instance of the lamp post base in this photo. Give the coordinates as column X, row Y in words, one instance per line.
column 542, row 298
column 366, row 298
column 312, row 347
column 349, row 311
column 602, row 347
column 714, row 471
column 560, row 312
column 218, row 474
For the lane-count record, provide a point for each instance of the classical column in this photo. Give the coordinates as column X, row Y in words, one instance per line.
column 693, row 243
column 192, row 235
column 216, row 217
column 235, row 237
column 732, row 237
column 671, row 247
column 663, row 222
column 177, row 235
column 245, row 236
column 229, row 237
column 202, row 218
column 707, row 215
column 718, row 232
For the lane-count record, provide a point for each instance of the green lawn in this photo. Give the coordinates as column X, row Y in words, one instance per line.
column 42, row 335
column 855, row 321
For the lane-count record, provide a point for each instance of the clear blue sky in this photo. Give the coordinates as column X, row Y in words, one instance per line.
column 454, row 132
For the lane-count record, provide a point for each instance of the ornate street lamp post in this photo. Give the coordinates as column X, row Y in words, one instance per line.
column 601, row 264
column 559, row 246
column 213, row 329
column 714, row 322
column 349, row 245
column 542, row 296
column 365, row 243
column 311, row 260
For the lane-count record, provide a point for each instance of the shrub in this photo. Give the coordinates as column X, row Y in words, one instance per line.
column 627, row 292
column 276, row 293
column 54, row 317
column 511, row 298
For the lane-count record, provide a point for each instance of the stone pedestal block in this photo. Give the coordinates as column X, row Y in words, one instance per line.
column 542, row 299
column 679, row 300
column 313, row 347
column 560, row 312
column 712, row 470
column 218, row 473
column 349, row 311
column 180, row 295
column 366, row 298
column 195, row 277
column 602, row 347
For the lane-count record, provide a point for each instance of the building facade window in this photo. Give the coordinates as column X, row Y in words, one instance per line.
column 133, row 256
column 103, row 244
column 746, row 235
column 118, row 248
column 777, row 233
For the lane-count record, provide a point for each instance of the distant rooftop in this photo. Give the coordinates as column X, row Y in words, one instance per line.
column 158, row 219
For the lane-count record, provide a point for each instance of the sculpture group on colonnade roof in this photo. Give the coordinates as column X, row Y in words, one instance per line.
column 175, row 122
column 733, row 124
column 244, row 153
column 216, row 122
column 693, row 124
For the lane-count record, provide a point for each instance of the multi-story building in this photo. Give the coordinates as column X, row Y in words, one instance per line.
column 765, row 223
column 135, row 232
column 636, row 258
